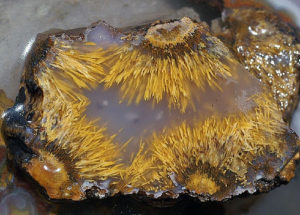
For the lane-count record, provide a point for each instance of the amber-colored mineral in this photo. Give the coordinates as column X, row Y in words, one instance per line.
column 5, row 175
column 159, row 110
column 269, row 48
column 4, row 104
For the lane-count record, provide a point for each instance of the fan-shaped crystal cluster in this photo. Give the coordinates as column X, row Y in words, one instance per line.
column 160, row 110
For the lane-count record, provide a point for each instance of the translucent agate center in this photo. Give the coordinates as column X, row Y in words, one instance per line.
column 140, row 121
column 136, row 121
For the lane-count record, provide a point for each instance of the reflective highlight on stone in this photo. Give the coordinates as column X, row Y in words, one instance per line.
column 160, row 110
column 269, row 48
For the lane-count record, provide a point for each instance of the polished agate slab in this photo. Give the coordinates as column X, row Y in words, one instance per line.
column 159, row 110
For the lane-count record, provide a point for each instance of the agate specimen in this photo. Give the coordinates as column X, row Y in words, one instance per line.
column 158, row 110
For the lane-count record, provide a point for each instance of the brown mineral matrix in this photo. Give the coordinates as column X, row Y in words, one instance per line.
column 4, row 104
column 158, row 110
column 269, row 48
